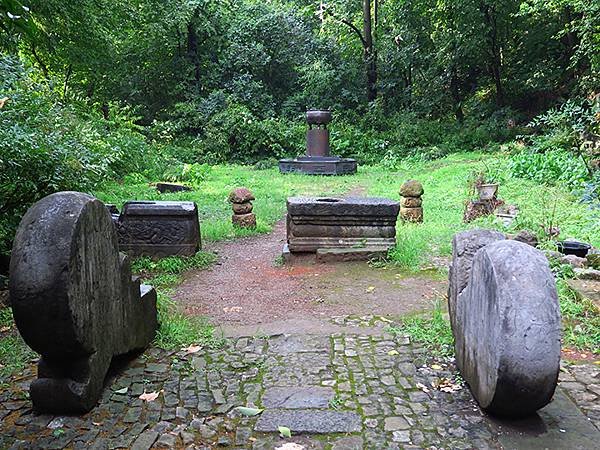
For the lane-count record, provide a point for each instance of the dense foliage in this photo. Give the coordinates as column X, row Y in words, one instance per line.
column 98, row 89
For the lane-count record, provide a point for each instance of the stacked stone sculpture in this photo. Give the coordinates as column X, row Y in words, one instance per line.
column 241, row 201
column 158, row 228
column 506, row 323
column 74, row 299
column 411, row 205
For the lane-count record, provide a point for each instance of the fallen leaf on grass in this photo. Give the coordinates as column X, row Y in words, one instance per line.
column 370, row 289
column 149, row 396
column 245, row 411
column 393, row 353
column 4, row 329
column 191, row 349
column 3, row 101
column 285, row 432
column 436, row 367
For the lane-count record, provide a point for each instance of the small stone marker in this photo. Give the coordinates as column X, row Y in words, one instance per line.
column 74, row 299
column 158, row 228
column 506, row 323
column 241, row 202
column 411, row 205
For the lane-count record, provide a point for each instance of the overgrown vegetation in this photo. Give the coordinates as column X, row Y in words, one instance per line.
column 431, row 329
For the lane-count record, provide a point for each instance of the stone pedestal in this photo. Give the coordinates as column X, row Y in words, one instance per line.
column 318, row 160
column 158, row 229
column 74, row 299
column 360, row 223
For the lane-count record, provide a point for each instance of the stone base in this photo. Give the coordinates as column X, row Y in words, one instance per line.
column 328, row 255
column 318, row 165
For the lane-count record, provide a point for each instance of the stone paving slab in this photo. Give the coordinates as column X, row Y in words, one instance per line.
column 309, row 421
column 385, row 391
column 290, row 397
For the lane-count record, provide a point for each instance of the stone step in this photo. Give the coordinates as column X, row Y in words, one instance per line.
column 325, row 255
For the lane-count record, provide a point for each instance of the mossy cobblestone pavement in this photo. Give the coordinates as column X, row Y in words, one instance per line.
column 338, row 391
column 335, row 380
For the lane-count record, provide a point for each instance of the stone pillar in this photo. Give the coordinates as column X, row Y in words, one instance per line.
column 241, row 201
column 411, row 209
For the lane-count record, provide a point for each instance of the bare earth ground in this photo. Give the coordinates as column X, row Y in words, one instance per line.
column 248, row 289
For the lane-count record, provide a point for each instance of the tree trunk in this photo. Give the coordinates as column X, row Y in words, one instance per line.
column 192, row 47
column 369, row 53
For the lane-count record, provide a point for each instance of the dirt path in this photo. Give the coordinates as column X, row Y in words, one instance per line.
column 246, row 287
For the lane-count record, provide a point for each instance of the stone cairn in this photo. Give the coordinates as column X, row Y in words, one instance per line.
column 505, row 318
column 411, row 209
column 241, row 201
column 74, row 300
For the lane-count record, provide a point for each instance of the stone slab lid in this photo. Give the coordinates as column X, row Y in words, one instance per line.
column 350, row 206
column 158, row 208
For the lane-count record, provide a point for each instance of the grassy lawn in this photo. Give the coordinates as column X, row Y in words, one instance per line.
column 446, row 183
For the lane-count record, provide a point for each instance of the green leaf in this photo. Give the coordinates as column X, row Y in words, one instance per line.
column 245, row 411
column 285, row 432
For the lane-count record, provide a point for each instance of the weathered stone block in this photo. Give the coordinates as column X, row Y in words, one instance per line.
column 74, row 299
column 411, row 202
column 314, row 223
column 412, row 214
column 172, row 187
column 507, row 329
column 242, row 208
column 241, row 195
column 244, row 220
column 464, row 247
column 326, row 255
column 411, row 188
column 158, row 228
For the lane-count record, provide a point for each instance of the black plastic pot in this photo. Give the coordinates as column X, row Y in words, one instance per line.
column 573, row 248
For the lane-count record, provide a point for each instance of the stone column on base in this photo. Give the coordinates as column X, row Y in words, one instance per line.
column 241, row 202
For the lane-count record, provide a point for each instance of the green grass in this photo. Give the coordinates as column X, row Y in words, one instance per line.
column 580, row 320
column 14, row 353
column 446, row 183
column 430, row 329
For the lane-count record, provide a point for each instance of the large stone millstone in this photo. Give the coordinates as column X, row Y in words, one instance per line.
column 74, row 300
column 507, row 329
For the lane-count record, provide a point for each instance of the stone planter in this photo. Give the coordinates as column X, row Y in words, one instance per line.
column 487, row 191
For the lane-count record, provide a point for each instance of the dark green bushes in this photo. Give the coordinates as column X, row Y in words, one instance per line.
column 49, row 145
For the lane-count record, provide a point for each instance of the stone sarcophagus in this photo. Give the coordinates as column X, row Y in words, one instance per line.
column 158, row 228
column 74, row 299
column 334, row 223
column 505, row 319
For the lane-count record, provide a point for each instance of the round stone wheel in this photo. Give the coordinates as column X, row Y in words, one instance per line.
column 64, row 277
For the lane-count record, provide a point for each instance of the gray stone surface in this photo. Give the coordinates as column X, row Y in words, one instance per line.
column 309, row 421
column 245, row 368
column 464, row 246
column 507, row 329
column 354, row 222
column 327, row 255
column 74, row 300
column 158, row 228
column 290, row 397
